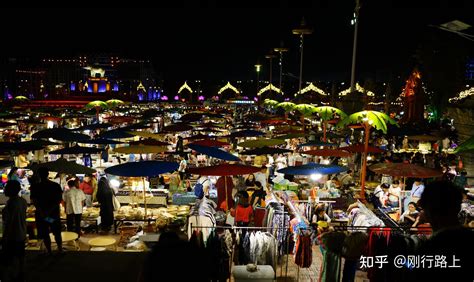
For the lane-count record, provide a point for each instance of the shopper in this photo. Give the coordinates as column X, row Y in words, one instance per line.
column 46, row 196
column 13, row 174
column 105, row 196
column 73, row 202
column 244, row 212
column 87, row 188
column 394, row 194
column 441, row 202
column 14, row 232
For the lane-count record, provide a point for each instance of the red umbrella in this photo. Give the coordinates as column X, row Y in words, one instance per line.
column 149, row 142
column 224, row 169
column 177, row 127
column 359, row 148
column 275, row 121
column 328, row 153
column 210, row 143
column 405, row 170
column 199, row 137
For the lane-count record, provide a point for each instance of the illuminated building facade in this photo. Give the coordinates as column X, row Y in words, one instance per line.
column 82, row 77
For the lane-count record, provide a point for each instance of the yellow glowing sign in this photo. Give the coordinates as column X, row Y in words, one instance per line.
column 185, row 86
column 312, row 87
column 359, row 89
column 228, row 86
column 141, row 87
column 269, row 87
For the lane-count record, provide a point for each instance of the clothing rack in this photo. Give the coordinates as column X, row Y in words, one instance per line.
column 389, row 220
column 252, row 228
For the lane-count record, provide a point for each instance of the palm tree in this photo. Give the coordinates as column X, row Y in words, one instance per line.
column 306, row 110
column 287, row 107
column 368, row 119
column 97, row 105
column 270, row 103
column 326, row 113
column 113, row 104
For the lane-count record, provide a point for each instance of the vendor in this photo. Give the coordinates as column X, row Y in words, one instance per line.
column 409, row 216
column 394, row 194
column 416, row 190
column 380, row 195
column 321, row 219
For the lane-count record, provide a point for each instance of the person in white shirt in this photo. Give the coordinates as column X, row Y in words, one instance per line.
column 380, row 195
column 181, row 170
column 394, row 194
column 416, row 190
column 261, row 176
column 73, row 202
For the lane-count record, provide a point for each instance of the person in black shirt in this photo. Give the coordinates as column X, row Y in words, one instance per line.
column 441, row 202
column 46, row 196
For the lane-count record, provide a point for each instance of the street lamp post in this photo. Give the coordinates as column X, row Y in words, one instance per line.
column 301, row 32
column 258, row 67
column 281, row 50
column 270, row 56
column 355, row 22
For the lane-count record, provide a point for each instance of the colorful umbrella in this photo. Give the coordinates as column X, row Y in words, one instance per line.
column 359, row 148
column 93, row 126
column 261, row 143
column 265, row 151
column 100, row 141
column 61, row 165
column 149, row 142
column 405, row 170
column 136, row 126
column 246, row 133
column 140, row 149
column 115, row 134
column 214, row 152
column 20, row 146
column 210, row 143
column 113, row 103
column 312, row 168
column 142, row 169
column 199, row 137
column 61, row 134
column 224, row 169
column 76, row 150
column 178, row 127
column 291, row 136
column 146, row 134
column 328, row 153
column 316, row 144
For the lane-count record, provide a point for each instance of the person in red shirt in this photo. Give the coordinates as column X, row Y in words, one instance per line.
column 244, row 212
column 87, row 188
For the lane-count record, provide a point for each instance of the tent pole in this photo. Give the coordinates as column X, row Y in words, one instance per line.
column 144, row 196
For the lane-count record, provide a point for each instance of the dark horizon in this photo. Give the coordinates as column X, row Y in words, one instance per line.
column 223, row 44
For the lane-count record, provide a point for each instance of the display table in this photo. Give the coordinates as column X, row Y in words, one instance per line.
column 264, row 273
column 102, row 242
column 67, row 237
column 120, row 222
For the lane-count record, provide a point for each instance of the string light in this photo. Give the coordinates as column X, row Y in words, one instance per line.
column 462, row 95
column 312, row 87
column 359, row 89
column 228, row 86
column 185, row 86
column 269, row 87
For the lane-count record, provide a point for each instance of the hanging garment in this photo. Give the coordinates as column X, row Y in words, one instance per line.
column 304, row 253
column 331, row 246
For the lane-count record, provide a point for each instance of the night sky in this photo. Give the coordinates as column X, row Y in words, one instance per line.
column 225, row 42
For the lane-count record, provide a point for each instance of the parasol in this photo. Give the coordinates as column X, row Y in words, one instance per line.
column 261, row 143
column 312, row 168
column 213, row 152
column 265, row 151
column 328, row 153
